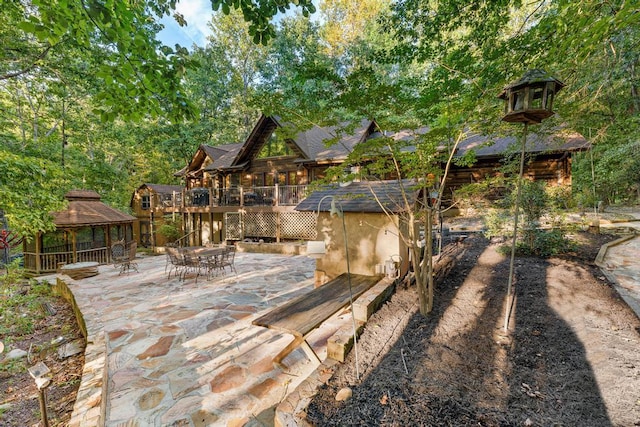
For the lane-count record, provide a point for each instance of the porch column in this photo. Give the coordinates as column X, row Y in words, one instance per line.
column 74, row 255
column 38, row 251
column 152, row 237
column 107, row 240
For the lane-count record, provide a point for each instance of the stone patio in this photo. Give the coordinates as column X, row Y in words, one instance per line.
column 164, row 352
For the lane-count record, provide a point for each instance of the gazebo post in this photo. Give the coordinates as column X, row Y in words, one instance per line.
column 73, row 245
column 38, row 251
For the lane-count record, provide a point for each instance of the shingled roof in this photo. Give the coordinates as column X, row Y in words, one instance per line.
column 487, row 147
column 309, row 145
column 361, row 197
column 314, row 141
column 86, row 209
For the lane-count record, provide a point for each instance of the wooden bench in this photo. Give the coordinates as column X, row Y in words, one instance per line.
column 304, row 314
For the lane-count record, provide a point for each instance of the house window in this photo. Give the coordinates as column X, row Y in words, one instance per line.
column 234, row 180
column 282, row 178
column 274, row 146
column 293, row 178
column 146, row 201
column 258, row 179
column 269, row 179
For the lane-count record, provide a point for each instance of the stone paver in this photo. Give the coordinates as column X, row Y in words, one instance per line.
column 620, row 262
column 164, row 352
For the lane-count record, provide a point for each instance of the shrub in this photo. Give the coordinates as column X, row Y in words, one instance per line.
column 534, row 203
column 171, row 230
column 546, row 244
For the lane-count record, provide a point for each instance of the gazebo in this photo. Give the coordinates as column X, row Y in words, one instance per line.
column 84, row 232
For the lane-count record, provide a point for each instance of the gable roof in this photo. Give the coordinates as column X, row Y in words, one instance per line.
column 219, row 155
column 314, row 140
column 156, row 188
column 86, row 209
column 225, row 159
column 161, row 188
column 308, row 145
column 361, row 197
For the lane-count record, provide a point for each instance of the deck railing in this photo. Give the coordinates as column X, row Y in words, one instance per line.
column 274, row 195
column 49, row 261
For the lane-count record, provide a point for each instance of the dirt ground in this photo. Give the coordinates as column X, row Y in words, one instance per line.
column 18, row 392
column 571, row 357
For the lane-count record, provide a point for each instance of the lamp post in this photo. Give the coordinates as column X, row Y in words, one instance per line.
column 529, row 101
column 39, row 373
column 337, row 210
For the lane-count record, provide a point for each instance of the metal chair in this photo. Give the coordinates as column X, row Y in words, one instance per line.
column 123, row 259
column 176, row 261
column 192, row 262
column 228, row 259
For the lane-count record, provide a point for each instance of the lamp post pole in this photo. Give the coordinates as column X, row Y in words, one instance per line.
column 510, row 294
column 528, row 100
column 340, row 213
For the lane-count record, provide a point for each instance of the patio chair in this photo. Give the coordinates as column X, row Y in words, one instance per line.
column 227, row 259
column 118, row 253
column 212, row 263
column 192, row 262
column 123, row 259
column 176, row 261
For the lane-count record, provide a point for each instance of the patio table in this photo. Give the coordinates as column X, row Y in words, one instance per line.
column 205, row 257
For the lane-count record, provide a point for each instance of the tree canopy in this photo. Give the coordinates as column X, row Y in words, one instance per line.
column 90, row 98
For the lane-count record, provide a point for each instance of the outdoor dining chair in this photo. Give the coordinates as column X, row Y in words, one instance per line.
column 212, row 264
column 193, row 263
column 176, row 260
column 227, row 259
column 122, row 258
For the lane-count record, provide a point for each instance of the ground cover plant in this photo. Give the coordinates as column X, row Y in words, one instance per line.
column 34, row 320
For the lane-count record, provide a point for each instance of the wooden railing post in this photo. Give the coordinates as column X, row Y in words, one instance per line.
column 276, row 195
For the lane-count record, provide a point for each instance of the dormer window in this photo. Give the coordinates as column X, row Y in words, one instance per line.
column 145, row 203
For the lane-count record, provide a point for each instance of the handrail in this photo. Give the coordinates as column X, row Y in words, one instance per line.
column 178, row 243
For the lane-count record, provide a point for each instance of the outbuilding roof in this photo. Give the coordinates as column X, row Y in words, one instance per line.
column 364, row 197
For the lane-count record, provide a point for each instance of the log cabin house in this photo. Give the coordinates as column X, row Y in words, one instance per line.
column 548, row 158
column 249, row 190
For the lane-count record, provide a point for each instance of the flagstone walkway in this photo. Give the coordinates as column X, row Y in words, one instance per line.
column 620, row 261
column 169, row 353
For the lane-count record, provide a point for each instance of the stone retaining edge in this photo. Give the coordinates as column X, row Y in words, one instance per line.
column 90, row 405
column 599, row 261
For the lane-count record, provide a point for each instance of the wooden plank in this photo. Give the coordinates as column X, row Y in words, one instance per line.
column 305, row 313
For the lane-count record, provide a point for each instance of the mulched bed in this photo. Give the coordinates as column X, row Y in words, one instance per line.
column 457, row 367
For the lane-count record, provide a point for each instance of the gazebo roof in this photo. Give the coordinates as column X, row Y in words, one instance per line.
column 86, row 209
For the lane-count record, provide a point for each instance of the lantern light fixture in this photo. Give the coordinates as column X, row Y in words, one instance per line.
column 530, row 99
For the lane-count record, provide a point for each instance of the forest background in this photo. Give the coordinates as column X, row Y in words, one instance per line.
column 90, row 99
